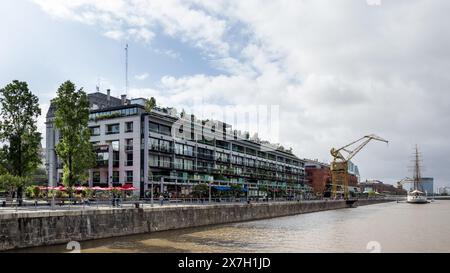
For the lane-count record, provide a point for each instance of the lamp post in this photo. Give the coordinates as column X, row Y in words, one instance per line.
column 151, row 194
column 209, row 193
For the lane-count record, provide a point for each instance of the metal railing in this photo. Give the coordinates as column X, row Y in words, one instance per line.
column 99, row 203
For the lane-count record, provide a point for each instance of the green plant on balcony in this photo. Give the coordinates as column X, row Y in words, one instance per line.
column 107, row 116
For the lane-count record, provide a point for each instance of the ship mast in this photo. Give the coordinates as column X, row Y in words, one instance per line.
column 417, row 177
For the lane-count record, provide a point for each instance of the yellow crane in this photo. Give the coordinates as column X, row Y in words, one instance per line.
column 339, row 165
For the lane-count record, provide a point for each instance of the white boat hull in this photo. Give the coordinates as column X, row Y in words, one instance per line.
column 416, row 199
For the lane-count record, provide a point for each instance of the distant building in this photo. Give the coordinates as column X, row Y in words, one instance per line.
column 318, row 176
column 353, row 169
column 380, row 187
column 444, row 190
column 427, row 185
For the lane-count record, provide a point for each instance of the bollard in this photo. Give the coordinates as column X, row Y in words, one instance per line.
column 136, row 205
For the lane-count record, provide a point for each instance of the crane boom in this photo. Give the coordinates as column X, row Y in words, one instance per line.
column 339, row 165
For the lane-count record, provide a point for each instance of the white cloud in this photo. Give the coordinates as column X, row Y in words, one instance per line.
column 141, row 77
column 338, row 70
column 114, row 34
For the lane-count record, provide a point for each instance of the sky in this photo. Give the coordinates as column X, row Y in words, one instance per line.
column 336, row 70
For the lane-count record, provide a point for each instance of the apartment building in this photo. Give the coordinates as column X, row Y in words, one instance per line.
column 170, row 154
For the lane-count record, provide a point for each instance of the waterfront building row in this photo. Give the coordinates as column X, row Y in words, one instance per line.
column 160, row 150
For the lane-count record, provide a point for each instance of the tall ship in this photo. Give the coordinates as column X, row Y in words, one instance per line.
column 416, row 194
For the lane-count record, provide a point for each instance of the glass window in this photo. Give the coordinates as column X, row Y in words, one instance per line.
column 129, row 159
column 153, row 160
column 112, row 129
column 164, row 146
column 178, row 148
column 96, row 177
column 115, row 145
column 129, row 127
column 188, row 150
column 115, row 177
column 95, row 131
column 178, row 163
column 165, row 130
column 153, row 127
column 129, row 144
column 164, row 161
column 129, row 175
column 188, row 164
column 154, row 144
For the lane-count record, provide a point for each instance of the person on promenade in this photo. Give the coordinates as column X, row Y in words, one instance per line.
column 161, row 199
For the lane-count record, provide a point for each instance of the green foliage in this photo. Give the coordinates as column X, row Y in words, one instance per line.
column 71, row 118
column 33, row 192
column 150, row 104
column 10, row 183
column 263, row 189
column 200, row 190
column 19, row 110
column 29, row 192
column 108, row 116
column 87, row 193
column 236, row 190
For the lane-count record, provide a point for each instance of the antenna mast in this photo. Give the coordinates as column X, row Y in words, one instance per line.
column 126, row 69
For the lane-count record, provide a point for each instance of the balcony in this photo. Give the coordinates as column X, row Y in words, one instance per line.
column 101, row 163
column 162, row 149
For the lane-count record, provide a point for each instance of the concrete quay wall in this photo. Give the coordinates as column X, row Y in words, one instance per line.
column 40, row 228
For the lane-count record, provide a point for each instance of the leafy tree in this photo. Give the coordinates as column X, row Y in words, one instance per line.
column 200, row 190
column 11, row 183
column 19, row 110
column 150, row 104
column 71, row 119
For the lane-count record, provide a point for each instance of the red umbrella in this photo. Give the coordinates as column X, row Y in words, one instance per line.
column 60, row 188
column 129, row 188
column 98, row 188
column 80, row 188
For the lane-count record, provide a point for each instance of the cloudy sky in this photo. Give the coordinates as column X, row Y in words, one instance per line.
column 337, row 69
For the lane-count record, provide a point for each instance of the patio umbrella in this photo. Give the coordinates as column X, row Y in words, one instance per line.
column 128, row 188
column 80, row 188
column 97, row 188
column 60, row 188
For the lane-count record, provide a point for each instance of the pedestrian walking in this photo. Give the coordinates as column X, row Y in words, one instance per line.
column 161, row 199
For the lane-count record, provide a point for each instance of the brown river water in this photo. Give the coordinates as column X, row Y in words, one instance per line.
column 388, row 227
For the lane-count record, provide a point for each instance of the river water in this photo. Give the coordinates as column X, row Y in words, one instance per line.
column 388, row 227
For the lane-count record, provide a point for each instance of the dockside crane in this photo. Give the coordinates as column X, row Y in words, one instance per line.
column 339, row 165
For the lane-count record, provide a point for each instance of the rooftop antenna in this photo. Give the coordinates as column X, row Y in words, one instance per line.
column 126, row 69
column 98, row 85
